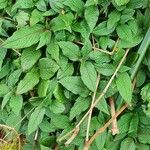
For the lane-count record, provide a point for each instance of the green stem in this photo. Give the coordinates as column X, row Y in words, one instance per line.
column 142, row 51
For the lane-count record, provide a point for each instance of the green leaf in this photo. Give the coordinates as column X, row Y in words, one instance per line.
column 103, row 106
column 105, row 42
column 124, row 122
column 74, row 5
column 128, row 143
column 105, row 69
column 66, row 70
column 125, row 43
column 44, row 39
column 113, row 18
column 2, row 30
column 16, row 102
column 125, row 18
column 13, row 78
column 114, row 145
column 52, row 85
column 22, row 18
column 59, row 93
column 137, row 3
column 60, row 121
column 111, row 90
column 145, row 92
column 99, row 57
column 62, row 22
column 28, row 82
column 142, row 146
column 24, row 37
column 102, row 29
column 6, row 100
column 91, row 16
column 43, row 88
column 5, row 70
column 47, row 126
column 48, row 68
column 35, row 119
column 57, row 6
column 88, row 75
column 124, row 32
column 79, row 106
column 119, row 137
column 3, row 89
column 41, row 5
column 100, row 140
column 13, row 121
column 36, row 16
column 121, row 2
column 3, row 3
column 134, row 26
column 143, row 135
column 26, row 61
column 57, row 107
column 83, row 28
column 24, row 4
column 36, row 101
column 75, row 85
column 86, row 49
column 44, row 147
column 3, row 52
column 48, row 141
column 53, row 49
column 91, row 2
column 124, row 86
column 70, row 50
column 134, row 125
column 128, row 11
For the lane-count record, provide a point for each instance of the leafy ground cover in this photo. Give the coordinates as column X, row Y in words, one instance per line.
column 75, row 74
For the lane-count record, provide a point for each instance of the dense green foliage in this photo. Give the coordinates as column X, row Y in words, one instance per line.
column 49, row 69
